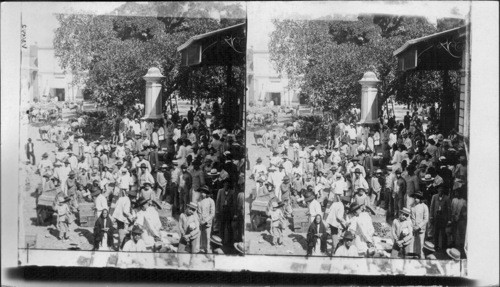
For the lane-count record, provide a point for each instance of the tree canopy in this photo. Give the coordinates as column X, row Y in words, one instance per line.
column 110, row 54
column 325, row 59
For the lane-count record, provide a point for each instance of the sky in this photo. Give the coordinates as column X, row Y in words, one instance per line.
column 261, row 13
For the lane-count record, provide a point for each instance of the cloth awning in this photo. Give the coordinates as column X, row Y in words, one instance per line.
column 221, row 47
column 439, row 51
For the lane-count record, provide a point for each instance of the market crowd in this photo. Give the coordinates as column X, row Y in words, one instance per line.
column 148, row 176
column 410, row 173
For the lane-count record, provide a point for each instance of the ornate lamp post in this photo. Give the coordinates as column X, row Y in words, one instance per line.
column 369, row 102
column 153, row 106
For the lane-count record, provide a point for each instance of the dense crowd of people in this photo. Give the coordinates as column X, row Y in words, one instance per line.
column 411, row 173
column 190, row 165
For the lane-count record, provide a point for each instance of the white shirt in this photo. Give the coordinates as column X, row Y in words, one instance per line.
column 314, row 209
column 101, row 203
column 122, row 209
column 131, row 246
column 343, row 251
column 336, row 214
column 362, row 226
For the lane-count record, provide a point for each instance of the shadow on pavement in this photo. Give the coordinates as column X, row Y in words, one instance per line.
column 300, row 239
column 85, row 233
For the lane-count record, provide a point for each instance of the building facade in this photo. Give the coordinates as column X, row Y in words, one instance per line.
column 265, row 84
column 44, row 79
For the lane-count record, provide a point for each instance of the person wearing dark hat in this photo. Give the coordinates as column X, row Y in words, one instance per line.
column 314, row 207
column 29, row 148
column 185, row 186
column 402, row 234
column 206, row 214
column 347, row 249
column 136, row 244
column 189, row 228
column 398, row 191
column 440, row 217
column 419, row 218
column 336, row 220
column 224, row 207
column 361, row 224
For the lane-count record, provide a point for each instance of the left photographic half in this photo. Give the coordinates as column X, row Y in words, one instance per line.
column 132, row 132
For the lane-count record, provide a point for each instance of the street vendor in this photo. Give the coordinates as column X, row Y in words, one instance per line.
column 347, row 249
column 316, row 236
column 402, row 234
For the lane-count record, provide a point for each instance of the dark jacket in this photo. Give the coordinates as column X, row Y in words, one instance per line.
column 311, row 238
column 99, row 233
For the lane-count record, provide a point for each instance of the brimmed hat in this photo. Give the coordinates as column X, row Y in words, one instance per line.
column 143, row 165
column 405, row 210
column 240, row 247
column 157, row 204
column 271, row 168
column 286, row 178
column 354, row 206
column 429, row 246
column 118, row 163
column 309, row 196
column 147, row 183
column 192, row 205
column 213, row 171
column 259, row 160
column 204, row 189
column 361, row 189
column 345, row 199
column 136, row 230
column 96, row 191
column 357, row 170
column 417, row 194
column 274, row 204
column 348, row 235
column 260, row 179
column 64, row 199
column 216, row 240
column 45, row 155
column 66, row 161
column 428, row 177
column 71, row 173
column 453, row 253
column 398, row 171
column 378, row 171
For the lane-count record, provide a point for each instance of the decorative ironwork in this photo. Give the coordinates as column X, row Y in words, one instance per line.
column 456, row 46
column 230, row 40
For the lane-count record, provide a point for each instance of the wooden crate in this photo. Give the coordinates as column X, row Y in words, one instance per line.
column 86, row 209
column 261, row 203
column 87, row 221
column 300, row 219
column 47, row 198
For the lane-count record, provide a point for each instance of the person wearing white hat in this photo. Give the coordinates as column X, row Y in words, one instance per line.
column 338, row 187
column 376, row 185
column 189, row 229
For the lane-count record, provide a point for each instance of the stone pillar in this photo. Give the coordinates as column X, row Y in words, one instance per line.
column 369, row 103
column 152, row 106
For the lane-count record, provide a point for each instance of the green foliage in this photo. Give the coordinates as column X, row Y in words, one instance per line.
column 110, row 54
column 98, row 123
column 326, row 59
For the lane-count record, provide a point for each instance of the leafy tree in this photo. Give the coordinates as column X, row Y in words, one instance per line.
column 110, row 54
column 326, row 59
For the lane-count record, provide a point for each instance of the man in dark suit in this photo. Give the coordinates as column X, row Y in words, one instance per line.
column 30, row 152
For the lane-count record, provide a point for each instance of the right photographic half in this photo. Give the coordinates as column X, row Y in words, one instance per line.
column 358, row 129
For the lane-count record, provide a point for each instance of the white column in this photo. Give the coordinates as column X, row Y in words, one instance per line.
column 369, row 102
column 152, row 106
